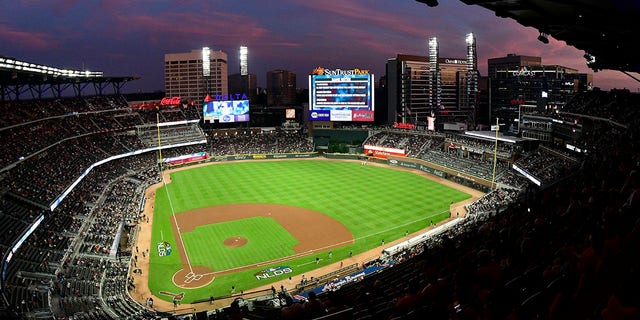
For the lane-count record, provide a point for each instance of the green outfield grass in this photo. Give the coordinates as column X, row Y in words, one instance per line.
column 374, row 203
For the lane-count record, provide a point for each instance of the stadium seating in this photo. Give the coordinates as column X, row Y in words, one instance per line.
column 522, row 252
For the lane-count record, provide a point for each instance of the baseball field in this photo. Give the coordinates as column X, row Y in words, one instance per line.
column 240, row 225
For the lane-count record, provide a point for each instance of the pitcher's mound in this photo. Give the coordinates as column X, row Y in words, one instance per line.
column 235, row 242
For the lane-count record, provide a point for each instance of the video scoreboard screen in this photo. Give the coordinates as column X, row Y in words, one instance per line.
column 226, row 111
column 341, row 95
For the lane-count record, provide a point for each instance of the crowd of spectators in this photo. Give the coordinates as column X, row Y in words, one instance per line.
column 471, row 164
column 413, row 143
column 548, row 254
column 547, row 166
column 79, row 231
column 504, row 149
column 24, row 111
column 28, row 127
column 243, row 142
column 169, row 135
column 496, row 199
column 511, row 179
column 614, row 105
column 456, row 152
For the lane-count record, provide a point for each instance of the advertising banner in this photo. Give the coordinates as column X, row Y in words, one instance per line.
column 227, row 118
column 226, row 111
column 340, row 115
column 414, row 165
column 362, row 115
column 320, row 115
column 185, row 158
column 269, row 156
column 382, row 152
column 242, row 118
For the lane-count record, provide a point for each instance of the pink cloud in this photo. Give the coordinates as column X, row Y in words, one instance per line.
column 372, row 16
column 26, row 39
column 610, row 79
column 182, row 27
column 190, row 30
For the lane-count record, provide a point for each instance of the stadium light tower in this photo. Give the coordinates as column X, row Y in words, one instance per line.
column 472, row 76
column 435, row 87
column 244, row 65
column 206, row 62
column 206, row 69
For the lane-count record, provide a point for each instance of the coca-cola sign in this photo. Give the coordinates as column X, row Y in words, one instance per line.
column 170, row 101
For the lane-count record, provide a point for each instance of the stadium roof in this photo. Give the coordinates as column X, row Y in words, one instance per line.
column 491, row 136
column 607, row 30
column 18, row 77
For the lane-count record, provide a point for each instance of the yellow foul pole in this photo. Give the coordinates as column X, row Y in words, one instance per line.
column 495, row 155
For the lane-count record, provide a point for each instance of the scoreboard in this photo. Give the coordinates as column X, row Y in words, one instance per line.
column 341, row 95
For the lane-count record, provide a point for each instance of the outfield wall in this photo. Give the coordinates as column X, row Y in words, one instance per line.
column 264, row 156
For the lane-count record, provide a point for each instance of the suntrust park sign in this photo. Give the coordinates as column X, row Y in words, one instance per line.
column 338, row 72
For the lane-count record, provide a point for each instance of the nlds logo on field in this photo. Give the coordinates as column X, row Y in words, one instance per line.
column 272, row 272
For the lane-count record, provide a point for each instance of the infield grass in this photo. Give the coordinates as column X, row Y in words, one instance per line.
column 373, row 202
column 267, row 240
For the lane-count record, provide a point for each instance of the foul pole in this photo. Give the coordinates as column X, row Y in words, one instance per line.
column 495, row 155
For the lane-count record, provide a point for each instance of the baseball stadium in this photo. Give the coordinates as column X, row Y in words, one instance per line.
column 145, row 206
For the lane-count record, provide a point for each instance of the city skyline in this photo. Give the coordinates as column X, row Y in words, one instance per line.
column 130, row 38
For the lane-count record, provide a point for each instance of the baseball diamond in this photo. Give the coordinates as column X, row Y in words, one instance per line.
column 244, row 225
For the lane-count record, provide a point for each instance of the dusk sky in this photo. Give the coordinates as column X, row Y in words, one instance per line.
column 130, row 37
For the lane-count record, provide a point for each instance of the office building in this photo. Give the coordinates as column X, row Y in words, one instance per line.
column 281, row 88
column 193, row 75
column 414, row 92
column 247, row 84
column 517, row 81
column 431, row 86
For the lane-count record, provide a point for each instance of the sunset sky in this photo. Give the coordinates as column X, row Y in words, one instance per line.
column 130, row 37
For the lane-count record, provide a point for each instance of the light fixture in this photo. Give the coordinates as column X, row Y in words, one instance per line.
column 543, row 37
column 430, row 3
column 591, row 59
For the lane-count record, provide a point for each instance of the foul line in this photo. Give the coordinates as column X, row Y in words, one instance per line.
column 166, row 189
column 173, row 215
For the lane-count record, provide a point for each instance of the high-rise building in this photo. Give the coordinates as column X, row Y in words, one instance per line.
column 281, row 88
column 511, row 61
column 517, row 81
column 470, row 98
column 416, row 89
column 420, row 87
column 193, row 75
column 247, row 84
